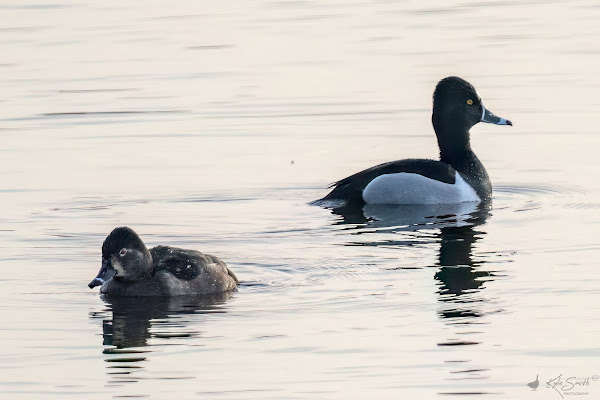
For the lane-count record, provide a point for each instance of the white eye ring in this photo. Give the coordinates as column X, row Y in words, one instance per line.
column 123, row 252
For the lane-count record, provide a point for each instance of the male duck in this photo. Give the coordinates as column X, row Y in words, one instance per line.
column 130, row 269
column 458, row 177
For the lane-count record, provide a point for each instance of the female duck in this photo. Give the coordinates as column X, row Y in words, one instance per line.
column 458, row 177
column 130, row 269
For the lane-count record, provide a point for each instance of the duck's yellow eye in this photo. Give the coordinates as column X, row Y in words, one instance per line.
column 470, row 102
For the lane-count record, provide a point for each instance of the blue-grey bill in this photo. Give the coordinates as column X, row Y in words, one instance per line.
column 490, row 117
column 106, row 272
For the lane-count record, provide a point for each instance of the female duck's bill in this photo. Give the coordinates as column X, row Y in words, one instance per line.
column 106, row 272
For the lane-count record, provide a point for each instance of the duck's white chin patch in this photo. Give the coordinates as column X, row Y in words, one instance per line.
column 406, row 188
column 116, row 264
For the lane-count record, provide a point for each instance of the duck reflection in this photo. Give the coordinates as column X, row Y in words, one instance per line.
column 133, row 321
column 133, row 317
column 458, row 274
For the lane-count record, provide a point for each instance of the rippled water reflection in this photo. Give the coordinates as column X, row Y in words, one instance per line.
column 213, row 126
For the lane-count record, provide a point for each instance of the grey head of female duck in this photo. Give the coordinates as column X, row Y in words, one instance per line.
column 124, row 257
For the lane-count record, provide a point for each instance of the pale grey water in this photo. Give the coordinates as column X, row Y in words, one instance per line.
column 211, row 125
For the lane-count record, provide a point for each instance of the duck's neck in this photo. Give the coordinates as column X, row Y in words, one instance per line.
column 457, row 152
column 452, row 136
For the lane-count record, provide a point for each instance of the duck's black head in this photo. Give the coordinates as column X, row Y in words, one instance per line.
column 456, row 108
column 124, row 257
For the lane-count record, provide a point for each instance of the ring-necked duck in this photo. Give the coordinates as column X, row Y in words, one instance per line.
column 458, row 177
column 130, row 269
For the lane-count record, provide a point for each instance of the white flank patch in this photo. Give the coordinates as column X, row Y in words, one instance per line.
column 406, row 188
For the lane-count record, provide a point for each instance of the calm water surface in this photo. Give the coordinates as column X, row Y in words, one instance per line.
column 212, row 125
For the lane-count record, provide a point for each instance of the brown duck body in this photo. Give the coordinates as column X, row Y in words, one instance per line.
column 130, row 269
